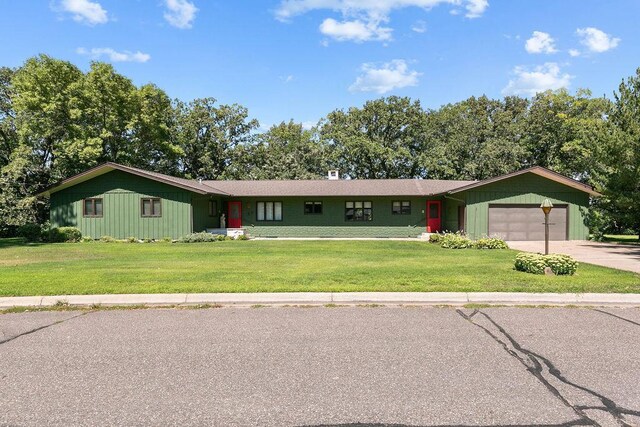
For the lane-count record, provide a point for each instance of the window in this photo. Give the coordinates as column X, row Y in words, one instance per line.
column 358, row 211
column 151, row 208
column 401, row 207
column 92, row 208
column 213, row 208
column 269, row 211
column 313, row 208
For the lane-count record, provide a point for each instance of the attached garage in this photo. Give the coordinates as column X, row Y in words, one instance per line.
column 508, row 206
column 524, row 222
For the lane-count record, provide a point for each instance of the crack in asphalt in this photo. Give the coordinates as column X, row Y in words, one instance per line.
column 42, row 327
column 566, row 424
column 619, row 317
column 536, row 366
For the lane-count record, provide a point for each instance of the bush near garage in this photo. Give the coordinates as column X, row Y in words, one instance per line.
column 490, row 243
column 536, row 263
column 65, row 235
column 460, row 241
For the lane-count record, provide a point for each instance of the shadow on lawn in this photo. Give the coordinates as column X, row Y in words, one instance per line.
column 9, row 242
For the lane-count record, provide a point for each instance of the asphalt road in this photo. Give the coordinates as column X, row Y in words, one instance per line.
column 321, row 366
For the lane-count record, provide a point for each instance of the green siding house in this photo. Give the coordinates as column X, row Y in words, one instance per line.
column 122, row 201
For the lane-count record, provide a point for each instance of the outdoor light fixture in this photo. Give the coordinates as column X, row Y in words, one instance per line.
column 546, row 207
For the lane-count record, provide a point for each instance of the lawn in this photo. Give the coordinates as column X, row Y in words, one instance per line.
column 279, row 266
column 620, row 238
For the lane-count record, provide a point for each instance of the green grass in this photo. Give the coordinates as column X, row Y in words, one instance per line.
column 279, row 266
column 621, row 238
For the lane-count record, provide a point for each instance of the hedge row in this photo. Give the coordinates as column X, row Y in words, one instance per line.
column 460, row 241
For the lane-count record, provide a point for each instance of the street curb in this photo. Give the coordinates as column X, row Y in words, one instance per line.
column 317, row 298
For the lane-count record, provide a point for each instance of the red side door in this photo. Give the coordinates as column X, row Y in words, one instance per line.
column 235, row 215
column 434, row 216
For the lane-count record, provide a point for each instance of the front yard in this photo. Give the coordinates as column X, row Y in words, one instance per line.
column 279, row 266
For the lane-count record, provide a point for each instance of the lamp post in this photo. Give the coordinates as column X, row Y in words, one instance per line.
column 546, row 207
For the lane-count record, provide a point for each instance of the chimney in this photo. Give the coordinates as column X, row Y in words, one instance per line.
column 333, row 174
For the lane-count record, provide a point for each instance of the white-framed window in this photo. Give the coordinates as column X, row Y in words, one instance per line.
column 401, row 207
column 269, row 211
column 358, row 211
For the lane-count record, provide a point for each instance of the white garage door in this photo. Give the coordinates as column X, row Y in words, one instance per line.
column 526, row 222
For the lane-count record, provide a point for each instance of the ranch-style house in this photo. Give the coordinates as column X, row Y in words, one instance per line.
column 124, row 201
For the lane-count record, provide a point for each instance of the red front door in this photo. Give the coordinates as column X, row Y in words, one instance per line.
column 434, row 216
column 235, row 215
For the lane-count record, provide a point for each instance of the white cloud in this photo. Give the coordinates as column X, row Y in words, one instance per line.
column 113, row 55
column 574, row 52
column 381, row 79
column 540, row 43
column 85, row 11
column 287, row 79
column 597, row 40
column 419, row 27
column 357, row 30
column 475, row 8
column 362, row 19
column 528, row 82
column 180, row 13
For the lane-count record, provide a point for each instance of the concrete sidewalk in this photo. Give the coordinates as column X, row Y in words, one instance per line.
column 299, row 298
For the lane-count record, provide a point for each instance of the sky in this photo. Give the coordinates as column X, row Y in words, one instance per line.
column 301, row 59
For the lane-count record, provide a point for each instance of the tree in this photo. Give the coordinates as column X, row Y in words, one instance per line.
column 151, row 145
column 8, row 134
column 285, row 151
column 383, row 139
column 44, row 120
column 566, row 132
column 207, row 136
column 622, row 185
column 476, row 138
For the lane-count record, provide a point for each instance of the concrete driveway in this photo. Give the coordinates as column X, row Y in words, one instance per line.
column 345, row 366
column 620, row 256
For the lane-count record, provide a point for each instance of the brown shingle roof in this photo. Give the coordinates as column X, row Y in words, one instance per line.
column 343, row 187
column 316, row 188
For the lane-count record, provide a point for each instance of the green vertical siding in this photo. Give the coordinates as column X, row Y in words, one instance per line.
column 525, row 189
column 121, row 194
column 201, row 218
column 332, row 222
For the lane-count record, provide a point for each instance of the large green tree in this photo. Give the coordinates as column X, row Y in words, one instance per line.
column 208, row 134
column 383, row 139
column 622, row 185
column 285, row 151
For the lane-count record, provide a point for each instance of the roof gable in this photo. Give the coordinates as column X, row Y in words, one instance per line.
column 537, row 170
column 185, row 184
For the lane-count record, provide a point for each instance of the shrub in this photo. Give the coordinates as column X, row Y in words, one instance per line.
column 536, row 263
column 435, row 238
column 65, row 234
column 455, row 241
column 530, row 263
column 131, row 239
column 108, row 239
column 242, row 237
column 30, row 232
column 202, row 237
column 490, row 243
column 562, row 264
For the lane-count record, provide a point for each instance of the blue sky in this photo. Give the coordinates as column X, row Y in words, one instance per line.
column 300, row 59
